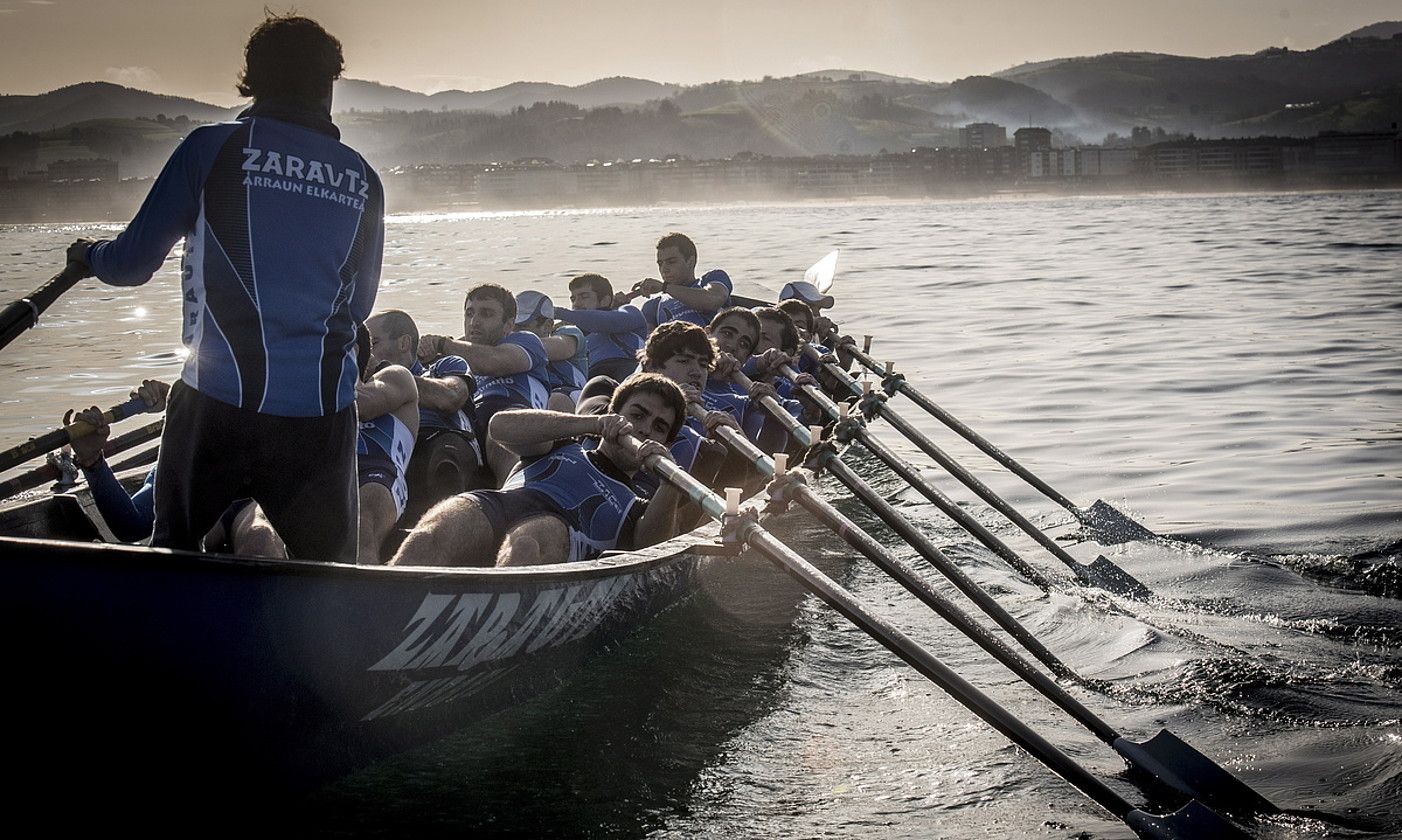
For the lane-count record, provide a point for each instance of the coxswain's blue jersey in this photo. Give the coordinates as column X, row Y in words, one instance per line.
column 284, row 229
column 573, row 372
column 443, row 366
column 671, row 309
column 608, row 333
column 595, row 500
column 519, row 390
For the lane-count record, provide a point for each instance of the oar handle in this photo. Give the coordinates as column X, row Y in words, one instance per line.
column 67, row 434
column 24, row 313
column 787, row 420
column 48, row 472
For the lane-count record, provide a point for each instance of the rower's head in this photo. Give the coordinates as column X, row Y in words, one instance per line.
column 776, row 329
column 535, row 312
column 736, row 331
column 676, row 258
column 680, row 351
column 394, row 338
column 290, row 57
column 653, row 404
column 800, row 313
column 488, row 314
column 591, row 291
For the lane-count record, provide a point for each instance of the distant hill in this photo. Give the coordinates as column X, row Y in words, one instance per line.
column 1209, row 94
column 358, row 95
column 1382, row 29
column 97, row 100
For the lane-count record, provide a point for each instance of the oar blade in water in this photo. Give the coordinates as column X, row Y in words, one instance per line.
column 1112, row 527
column 1194, row 821
column 1178, row 764
column 1106, row 575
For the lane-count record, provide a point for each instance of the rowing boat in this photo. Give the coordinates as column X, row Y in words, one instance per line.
column 272, row 676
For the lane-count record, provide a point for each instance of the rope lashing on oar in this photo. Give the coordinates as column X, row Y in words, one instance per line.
column 877, row 553
column 1192, row 820
column 1100, row 572
column 58, row 437
column 1109, row 523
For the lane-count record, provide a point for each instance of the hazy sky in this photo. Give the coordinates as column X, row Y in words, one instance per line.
column 193, row 47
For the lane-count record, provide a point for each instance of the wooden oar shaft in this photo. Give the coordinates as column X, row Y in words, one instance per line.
column 969, row 434
column 897, row 642
column 58, row 437
column 945, row 504
column 24, row 313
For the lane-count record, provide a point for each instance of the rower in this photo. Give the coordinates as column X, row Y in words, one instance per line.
column 565, row 348
column 446, row 459
column 736, row 332
column 613, row 334
column 129, row 516
column 508, row 365
column 387, row 401
column 568, row 502
column 684, row 296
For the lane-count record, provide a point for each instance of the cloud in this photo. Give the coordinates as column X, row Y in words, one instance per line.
column 144, row 78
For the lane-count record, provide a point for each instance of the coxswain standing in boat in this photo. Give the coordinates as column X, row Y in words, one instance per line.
column 508, row 365
column 568, row 367
column 684, row 296
column 283, row 228
column 570, row 501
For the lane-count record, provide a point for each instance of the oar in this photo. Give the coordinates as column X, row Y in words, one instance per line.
column 49, row 472
column 1194, row 820
column 1109, row 523
column 1165, row 757
column 1100, row 572
column 868, row 546
column 58, row 437
column 24, row 313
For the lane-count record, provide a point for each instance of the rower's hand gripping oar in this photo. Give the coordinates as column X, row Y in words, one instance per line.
column 58, row 437
column 1110, row 525
column 24, row 313
column 1101, row 572
column 1165, row 757
column 1193, row 820
column 50, row 472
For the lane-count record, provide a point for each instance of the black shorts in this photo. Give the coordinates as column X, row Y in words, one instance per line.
column 505, row 508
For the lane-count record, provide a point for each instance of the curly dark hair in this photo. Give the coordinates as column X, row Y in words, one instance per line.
column 653, row 383
column 290, row 57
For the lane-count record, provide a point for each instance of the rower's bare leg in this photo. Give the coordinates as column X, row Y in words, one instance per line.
column 454, row 532
column 252, row 535
column 378, row 513
column 500, row 459
column 530, row 542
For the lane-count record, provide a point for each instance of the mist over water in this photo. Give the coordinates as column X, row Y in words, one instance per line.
column 1223, row 368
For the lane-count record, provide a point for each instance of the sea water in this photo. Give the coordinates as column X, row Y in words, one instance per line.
column 1223, row 368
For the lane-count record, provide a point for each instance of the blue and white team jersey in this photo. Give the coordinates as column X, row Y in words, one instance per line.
column 443, row 366
column 284, row 230
column 807, row 364
column 754, row 418
column 608, row 333
column 596, row 501
column 671, row 309
column 520, row 390
column 684, row 451
column 573, row 372
column 386, row 443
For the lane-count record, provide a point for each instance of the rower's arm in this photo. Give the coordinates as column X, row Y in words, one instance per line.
column 389, row 389
column 708, row 297
column 560, row 347
column 533, row 431
column 623, row 319
column 659, row 521
column 488, row 359
column 443, row 393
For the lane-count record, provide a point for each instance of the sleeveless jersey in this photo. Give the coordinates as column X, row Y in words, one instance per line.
column 671, row 309
column 573, row 372
column 386, row 442
column 519, row 390
column 595, row 500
